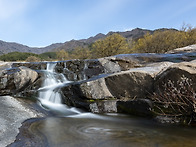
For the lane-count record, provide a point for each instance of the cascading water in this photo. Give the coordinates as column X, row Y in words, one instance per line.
column 50, row 95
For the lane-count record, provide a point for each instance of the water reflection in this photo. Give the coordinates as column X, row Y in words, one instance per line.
column 100, row 131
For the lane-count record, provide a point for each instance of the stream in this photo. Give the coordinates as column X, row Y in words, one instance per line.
column 71, row 127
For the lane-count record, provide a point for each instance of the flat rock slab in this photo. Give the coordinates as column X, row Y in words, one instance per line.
column 12, row 113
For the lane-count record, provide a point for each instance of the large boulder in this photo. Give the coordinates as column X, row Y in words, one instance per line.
column 100, row 93
column 176, row 73
column 16, row 79
column 175, row 90
column 130, row 84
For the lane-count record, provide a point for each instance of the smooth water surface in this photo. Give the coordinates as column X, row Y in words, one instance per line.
column 90, row 130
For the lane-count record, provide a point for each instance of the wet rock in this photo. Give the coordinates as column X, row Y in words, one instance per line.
column 105, row 106
column 139, row 107
column 77, row 70
column 16, row 79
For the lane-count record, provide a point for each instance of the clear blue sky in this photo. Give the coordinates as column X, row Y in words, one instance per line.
column 42, row 22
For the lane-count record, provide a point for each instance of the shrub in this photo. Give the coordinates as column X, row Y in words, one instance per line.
column 48, row 56
column 33, row 59
column 176, row 101
column 16, row 56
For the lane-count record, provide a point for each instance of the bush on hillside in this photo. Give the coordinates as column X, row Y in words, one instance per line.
column 33, row 59
column 163, row 41
column 48, row 56
column 16, row 56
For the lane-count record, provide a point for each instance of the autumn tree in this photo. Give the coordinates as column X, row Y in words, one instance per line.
column 62, row 55
column 33, row 59
column 112, row 45
column 81, row 53
column 163, row 41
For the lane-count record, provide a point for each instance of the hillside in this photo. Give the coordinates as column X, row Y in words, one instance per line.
column 129, row 35
column 6, row 47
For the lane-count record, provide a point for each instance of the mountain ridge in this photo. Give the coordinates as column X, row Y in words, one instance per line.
column 6, row 47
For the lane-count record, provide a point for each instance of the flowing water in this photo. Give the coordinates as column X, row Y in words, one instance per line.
column 50, row 94
column 72, row 128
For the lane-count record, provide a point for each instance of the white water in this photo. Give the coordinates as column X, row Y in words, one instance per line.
column 49, row 94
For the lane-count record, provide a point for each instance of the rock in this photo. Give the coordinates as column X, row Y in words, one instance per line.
column 4, row 65
column 23, row 77
column 127, row 84
column 105, row 106
column 187, row 49
column 16, row 79
column 13, row 113
column 31, row 65
column 174, row 94
column 77, row 70
column 139, row 107
column 130, row 84
column 116, row 64
column 176, row 73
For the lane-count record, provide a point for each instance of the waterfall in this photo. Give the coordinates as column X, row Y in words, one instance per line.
column 50, row 92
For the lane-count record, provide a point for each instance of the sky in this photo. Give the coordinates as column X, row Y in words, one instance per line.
column 39, row 23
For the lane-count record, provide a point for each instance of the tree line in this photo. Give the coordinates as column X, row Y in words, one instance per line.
column 160, row 41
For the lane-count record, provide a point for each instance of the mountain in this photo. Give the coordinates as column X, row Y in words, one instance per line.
column 129, row 35
column 6, row 47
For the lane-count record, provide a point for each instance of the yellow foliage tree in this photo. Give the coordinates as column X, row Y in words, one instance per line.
column 33, row 59
column 163, row 41
column 111, row 45
column 62, row 55
column 81, row 53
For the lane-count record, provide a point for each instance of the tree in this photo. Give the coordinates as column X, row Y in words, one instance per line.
column 111, row 45
column 163, row 41
column 33, row 59
column 81, row 53
column 62, row 55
